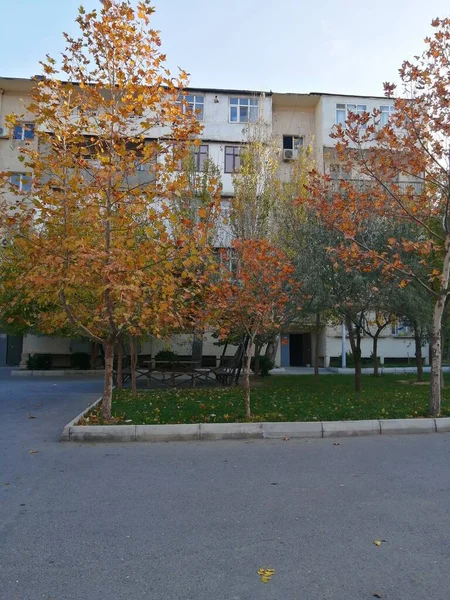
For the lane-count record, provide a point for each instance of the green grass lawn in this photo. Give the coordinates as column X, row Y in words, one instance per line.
column 280, row 398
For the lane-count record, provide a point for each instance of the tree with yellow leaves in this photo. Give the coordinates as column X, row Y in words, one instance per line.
column 98, row 238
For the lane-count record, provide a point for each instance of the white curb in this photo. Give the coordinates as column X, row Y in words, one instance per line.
column 305, row 429
column 348, row 428
column 262, row 430
column 55, row 373
column 408, row 425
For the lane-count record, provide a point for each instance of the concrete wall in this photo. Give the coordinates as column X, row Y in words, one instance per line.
column 327, row 110
column 388, row 347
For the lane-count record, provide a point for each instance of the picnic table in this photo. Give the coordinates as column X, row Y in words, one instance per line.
column 173, row 371
column 179, row 372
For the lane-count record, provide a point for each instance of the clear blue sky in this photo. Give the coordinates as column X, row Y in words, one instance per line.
column 283, row 45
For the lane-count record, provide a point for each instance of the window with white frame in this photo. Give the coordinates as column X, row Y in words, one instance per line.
column 22, row 181
column 386, row 114
column 23, row 131
column 192, row 103
column 343, row 111
column 232, row 159
column 244, row 110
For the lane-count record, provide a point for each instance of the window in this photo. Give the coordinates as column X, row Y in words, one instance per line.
column 292, row 142
column 343, row 110
column 386, row 114
column 25, row 131
column 192, row 103
column 232, row 159
column 200, row 156
column 401, row 328
column 339, row 172
column 22, row 181
column 243, row 110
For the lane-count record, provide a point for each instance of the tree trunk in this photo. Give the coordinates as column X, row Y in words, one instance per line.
column 375, row 356
column 271, row 349
column 119, row 366
column 358, row 366
column 248, row 412
column 133, row 361
column 108, row 380
column 436, row 332
column 258, row 348
column 94, row 354
column 419, row 361
column 442, row 356
column 316, row 350
column 436, row 359
column 355, row 344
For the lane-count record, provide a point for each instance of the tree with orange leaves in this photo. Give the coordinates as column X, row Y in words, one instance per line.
column 253, row 295
column 402, row 164
column 97, row 239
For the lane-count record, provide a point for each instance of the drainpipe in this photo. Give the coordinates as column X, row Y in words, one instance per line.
column 1, row 104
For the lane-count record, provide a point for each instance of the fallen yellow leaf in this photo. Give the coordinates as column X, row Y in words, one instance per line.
column 265, row 574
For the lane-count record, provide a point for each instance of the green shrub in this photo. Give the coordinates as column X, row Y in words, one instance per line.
column 80, row 360
column 265, row 365
column 165, row 355
column 39, row 362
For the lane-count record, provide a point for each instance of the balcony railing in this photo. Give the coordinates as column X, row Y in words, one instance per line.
column 365, row 185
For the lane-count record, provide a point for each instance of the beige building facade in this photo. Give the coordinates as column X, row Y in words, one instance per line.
column 294, row 120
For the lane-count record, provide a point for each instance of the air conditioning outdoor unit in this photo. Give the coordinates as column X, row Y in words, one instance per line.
column 2, row 132
column 288, row 154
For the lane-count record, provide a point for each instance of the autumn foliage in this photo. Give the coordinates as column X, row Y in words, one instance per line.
column 104, row 238
column 398, row 177
column 253, row 294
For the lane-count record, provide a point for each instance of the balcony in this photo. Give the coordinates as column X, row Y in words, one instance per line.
column 368, row 184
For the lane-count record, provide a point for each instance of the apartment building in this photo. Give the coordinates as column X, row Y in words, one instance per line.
column 295, row 120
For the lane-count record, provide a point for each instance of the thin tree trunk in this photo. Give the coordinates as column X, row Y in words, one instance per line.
column 94, row 354
column 375, row 355
column 258, row 348
column 358, row 365
column 248, row 412
column 271, row 349
column 419, row 361
column 442, row 351
column 355, row 344
column 436, row 359
column 436, row 332
column 108, row 380
column 133, row 360
column 119, row 366
column 316, row 350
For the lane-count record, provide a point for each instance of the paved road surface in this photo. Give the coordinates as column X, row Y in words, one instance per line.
column 195, row 520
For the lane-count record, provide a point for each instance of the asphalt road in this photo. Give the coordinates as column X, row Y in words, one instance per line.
column 196, row 520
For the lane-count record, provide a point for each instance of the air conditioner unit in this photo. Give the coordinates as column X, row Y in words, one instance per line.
column 2, row 132
column 289, row 154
